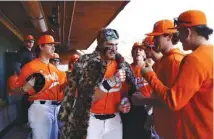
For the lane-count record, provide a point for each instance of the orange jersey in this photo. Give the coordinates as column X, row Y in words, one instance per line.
column 144, row 87
column 191, row 94
column 11, row 83
column 51, row 89
column 167, row 122
column 62, row 82
column 63, row 77
column 109, row 103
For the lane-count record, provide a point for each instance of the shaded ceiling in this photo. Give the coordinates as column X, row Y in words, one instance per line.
column 75, row 23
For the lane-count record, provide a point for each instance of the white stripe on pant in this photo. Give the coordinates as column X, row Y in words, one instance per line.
column 105, row 129
column 43, row 120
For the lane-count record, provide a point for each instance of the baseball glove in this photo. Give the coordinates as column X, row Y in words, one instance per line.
column 39, row 81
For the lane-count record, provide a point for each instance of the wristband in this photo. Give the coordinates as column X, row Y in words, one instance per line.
column 106, row 85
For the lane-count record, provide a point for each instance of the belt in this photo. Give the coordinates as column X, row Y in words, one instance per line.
column 104, row 117
column 48, row 102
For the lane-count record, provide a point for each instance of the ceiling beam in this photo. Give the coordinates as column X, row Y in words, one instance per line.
column 70, row 28
column 59, row 15
column 63, row 22
column 35, row 12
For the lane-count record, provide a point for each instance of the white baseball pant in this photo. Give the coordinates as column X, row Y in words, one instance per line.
column 105, row 129
column 43, row 120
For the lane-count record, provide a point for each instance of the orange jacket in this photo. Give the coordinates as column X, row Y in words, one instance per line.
column 167, row 122
column 109, row 103
column 51, row 89
column 191, row 94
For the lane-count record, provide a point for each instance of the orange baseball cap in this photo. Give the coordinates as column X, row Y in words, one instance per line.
column 148, row 40
column 46, row 39
column 162, row 27
column 190, row 18
column 29, row 38
column 137, row 44
column 74, row 57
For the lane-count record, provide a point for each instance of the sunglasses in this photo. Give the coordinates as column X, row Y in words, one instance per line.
column 150, row 47
column 55, row 60
column 178, row 22
column 110, row 34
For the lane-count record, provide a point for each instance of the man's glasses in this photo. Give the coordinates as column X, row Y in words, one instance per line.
column 178, row 22
column 110, row 34
column 55, row 60
column 150, row 47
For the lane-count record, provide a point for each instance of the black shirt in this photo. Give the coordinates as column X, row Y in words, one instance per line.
column 23, row 57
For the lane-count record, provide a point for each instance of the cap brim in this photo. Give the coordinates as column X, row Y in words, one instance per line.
column 175, row 27
column 154, row 34
column 49, row 43
column 142, row 46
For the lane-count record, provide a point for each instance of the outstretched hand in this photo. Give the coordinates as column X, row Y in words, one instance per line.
column 120, row 76
column 146, row 68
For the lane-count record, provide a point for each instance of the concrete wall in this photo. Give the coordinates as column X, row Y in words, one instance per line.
column 5, row 46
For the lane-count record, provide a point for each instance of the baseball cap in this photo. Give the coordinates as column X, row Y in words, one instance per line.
column 46, row 39
column 137, row 44
column 29, row 38
column 162, row 27
column 190, row 18
column 148, row 40
column 107, row 34
column 149, row 43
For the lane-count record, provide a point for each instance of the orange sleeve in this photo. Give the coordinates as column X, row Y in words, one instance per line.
column 171, row 72
column 156, row 65
column 11, row 82
column 25, row 72
column 146, row 90
column 188, row 82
